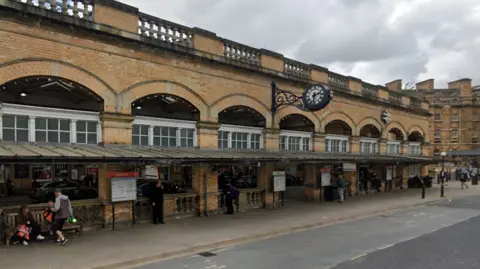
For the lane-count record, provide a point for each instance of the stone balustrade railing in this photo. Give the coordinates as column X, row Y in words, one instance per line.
column 82, row 9
column 337, row 80
column 116, row 18
column 395, row 98
column 369, row 90
column 165, row 31
column 240, row 53
column 296, row 68
column 248, row 198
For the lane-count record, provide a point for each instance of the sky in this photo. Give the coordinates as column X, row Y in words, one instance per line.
column 375, row 40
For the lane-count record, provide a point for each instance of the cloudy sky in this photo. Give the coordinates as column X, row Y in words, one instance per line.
column 375, row 40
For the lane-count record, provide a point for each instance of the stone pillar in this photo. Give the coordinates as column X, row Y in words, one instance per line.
column 354, row 144
column 351, row 177
column 117, row 128
column 404, row 148
column 271, row 139
column 207, row 134
column 201, row 174
column 264, row 180
column 319, row 142
column 312, row 189
column 382, row 146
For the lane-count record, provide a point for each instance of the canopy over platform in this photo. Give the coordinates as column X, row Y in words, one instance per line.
column 40, row 153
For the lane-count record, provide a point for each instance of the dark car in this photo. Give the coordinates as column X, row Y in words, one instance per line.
column 144, row 186
column 73, row 190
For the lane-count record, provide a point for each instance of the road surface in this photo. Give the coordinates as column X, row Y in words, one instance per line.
column 443, row 235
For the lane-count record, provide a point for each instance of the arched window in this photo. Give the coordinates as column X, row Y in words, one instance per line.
column 394, row 143
column 296, row 133
column 337, row 139
column 164, row 120
column 369, row 139
column 241, row 128
column 415, row 140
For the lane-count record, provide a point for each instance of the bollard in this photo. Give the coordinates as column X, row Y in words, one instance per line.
column 442, row 191
column 423, row 192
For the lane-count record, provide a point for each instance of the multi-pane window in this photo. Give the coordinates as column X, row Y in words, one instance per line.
column 223, row 140
column 52, row 130
column 255, row 141
column 437, row 133
column 454, row 117
column 336, row 145
column 437, row 117
column 368, row 147
column 15, row 128
column 239, row 140
column 413, row 170
column 187, row 138
column 86, row 132
column 414, row 149
column 393, row 148
column 295, row 143
column 230, row 138
column 454, row 133
column 164, row 136
column 140, row 135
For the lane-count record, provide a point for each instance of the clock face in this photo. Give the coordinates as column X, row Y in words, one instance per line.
column 316, row 97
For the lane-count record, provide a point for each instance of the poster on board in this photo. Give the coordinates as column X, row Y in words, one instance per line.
column 124, row 189
column 325, row 176
column 389, row 175
column 279, row 181
column 150, row 172
column 349, row 167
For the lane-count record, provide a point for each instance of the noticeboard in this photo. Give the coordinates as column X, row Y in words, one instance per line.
column 124, row 189
column 279, row 181
column 349, row 167
column 389, row 175
column 326, row 179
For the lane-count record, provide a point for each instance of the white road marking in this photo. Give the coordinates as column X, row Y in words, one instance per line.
column 386, row 246
column 221, row 250
column 358, row 256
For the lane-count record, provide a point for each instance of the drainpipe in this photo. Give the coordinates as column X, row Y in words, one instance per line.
column 205, row 183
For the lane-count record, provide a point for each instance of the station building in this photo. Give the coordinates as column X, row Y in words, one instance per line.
column 92, row 87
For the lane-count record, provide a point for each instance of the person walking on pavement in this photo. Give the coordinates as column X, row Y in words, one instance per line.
column 463, row 179
column 63, row 210
column 341, row 187
column 156, row 197
column 229, row 197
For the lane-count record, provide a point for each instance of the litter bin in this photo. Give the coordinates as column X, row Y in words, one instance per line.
column 475, row 180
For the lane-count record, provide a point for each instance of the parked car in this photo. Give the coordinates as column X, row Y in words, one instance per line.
column 73, row 190
column 144, row 186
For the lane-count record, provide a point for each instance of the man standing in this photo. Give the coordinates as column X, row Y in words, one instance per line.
column 341, row 187
column 63, row 210
column 156, row 197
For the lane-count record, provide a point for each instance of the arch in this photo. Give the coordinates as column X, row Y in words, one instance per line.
column 336, row 125
column 337, row 115
column 297, row 122
column 145, row 88
column 369, row 120
column 390, row 126
column 46, row 67
column 167, row 106
column 227, row 101
column 242, row 116
column 290, row 110
column 415, row 136
column 416, row 128
column 369, row 130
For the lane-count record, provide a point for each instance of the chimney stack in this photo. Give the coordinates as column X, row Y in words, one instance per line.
column 395, row 85
column 464, row 85
column 428, row 84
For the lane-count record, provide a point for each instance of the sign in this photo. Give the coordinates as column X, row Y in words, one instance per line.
column 150, row 172
column 74, row 174
column 279, row 181
column 124, row 189
column 386, row 117
column 389, row 175
column 349, row 167
column 326, row 178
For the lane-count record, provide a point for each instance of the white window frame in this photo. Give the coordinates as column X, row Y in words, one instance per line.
column 414, row 170
column 456, row 133
column 297, row 134
column 373, row 148
column 396, row 144
column 439, row 117
column 53, row 113
column 328, row 147
column 152, row 122
column 414, row 148
column 241, row 129
column 455, row 119
column 439, row 133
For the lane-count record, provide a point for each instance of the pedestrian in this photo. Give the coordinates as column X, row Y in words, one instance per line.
column 341, row 187
column 26, row 219
column 63, row 210
column 463, row 179
column 156, row 198
column 230, row 194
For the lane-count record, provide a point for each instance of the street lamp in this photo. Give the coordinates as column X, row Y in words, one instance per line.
column 442, row 187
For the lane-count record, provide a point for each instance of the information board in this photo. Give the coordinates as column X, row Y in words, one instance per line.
column 124, row 189
column 326, row 179
column 150, row 172
column 389, row 173
column 279, row 181
column 349, row 167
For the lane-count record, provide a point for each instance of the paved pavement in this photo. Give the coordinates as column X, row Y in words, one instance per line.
column 329, row 246
column 148, row 243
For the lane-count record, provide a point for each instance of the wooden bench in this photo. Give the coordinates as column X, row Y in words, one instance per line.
column 10, row 223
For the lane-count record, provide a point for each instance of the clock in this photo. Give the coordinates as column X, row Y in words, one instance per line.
column 316, row 97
